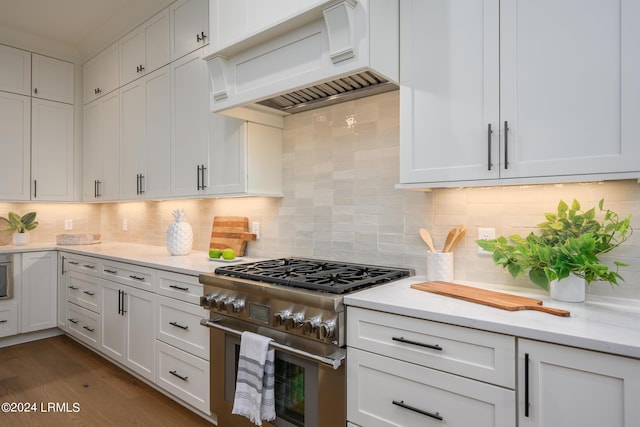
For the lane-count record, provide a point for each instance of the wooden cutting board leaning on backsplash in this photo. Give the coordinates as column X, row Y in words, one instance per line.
column 231, row 232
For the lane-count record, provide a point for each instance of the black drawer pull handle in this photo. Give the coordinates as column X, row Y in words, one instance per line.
column 88, row 328
column 73, row 320
column 89, row 266
column 179, row 288
column 526, row 385
column 175, row 374
column 110, row 271
column 74, row 262
column 3, row 321
column 89, row 293
column 420, row 411
column 406, row 341
column 136, row 277
column 74, row 288
column 177, row 325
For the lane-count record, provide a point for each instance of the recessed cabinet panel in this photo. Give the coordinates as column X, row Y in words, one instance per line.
column 52, row 79
column 15, row 70
column 189, row 26
column 15, row 137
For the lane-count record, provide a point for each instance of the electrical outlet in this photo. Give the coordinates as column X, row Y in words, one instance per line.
column 485, row 234
column 255, row 229
column 68, row 224
column 125, row 225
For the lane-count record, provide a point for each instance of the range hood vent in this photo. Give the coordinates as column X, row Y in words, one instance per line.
column 343, row 89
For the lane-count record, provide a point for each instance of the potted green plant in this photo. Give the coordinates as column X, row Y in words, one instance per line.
column 567, row 246
column 20, row 225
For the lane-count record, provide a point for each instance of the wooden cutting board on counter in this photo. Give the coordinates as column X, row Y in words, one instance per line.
column 486, row 297
column 231, row 232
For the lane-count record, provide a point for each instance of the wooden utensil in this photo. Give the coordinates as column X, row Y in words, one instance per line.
column 448, row 239
column 486, row 297
column 231, row 232
column 426, row 237
column 460, row 232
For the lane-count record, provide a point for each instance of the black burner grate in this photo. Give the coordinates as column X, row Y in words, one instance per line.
column 327, row 276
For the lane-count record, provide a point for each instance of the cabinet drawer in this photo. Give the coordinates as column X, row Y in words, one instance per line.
column 183, row 375
column 421, row 396
column 83, row 290
column 128, row 274
column 8, row 319
column 84, row 325
column 80, row 263
column 472, row 353
column 178, row 324
column 180, row 286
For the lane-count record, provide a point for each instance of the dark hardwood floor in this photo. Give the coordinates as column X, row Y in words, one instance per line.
column 85, row 389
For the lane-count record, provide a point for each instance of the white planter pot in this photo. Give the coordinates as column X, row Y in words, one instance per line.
column 20, row 239
column 569, row 289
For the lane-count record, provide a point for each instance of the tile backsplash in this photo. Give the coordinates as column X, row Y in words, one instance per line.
column 340, row 165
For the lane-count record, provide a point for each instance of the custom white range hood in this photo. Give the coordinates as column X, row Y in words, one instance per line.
column 331, row 52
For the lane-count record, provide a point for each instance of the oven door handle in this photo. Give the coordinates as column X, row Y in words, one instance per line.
column 334, row 360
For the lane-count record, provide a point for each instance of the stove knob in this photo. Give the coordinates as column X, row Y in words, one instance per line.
column 294, row 321
column 235, row 306
column 309, row 326
column 326, row 329
column 280, row 318
column 208, row 301
column 221, row 304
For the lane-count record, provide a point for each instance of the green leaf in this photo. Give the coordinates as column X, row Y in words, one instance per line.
column 575, row 205
column 538, row 276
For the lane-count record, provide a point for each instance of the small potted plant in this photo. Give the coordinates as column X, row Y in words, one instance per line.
column 566, row 249
column 20, row 225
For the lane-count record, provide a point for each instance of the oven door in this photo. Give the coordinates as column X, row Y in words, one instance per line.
column 308, row 392
column 6, row 277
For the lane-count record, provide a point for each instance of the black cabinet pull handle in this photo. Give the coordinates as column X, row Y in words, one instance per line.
column 136, row 277
column 526, row 385
column 406, row 341
column 176, row 374
column 35, row 90
column 3, row 321
column 141, row 184
column 35, row 188
column 74, row 288
column 198, row 38
column 177, row 325
column 88, row 328
column 119, row 301
column 73, row 320
column 401, row 404
column 489, row 132
column 62, row 259
column 198, row 177
column 92, row 267
column 110, row 271
column 179, row 288
column 506, row 144
column 89, row 293
column 123, row 295
column 74, row 262
column 141, row 68
column 203, row 168
column 202, row 36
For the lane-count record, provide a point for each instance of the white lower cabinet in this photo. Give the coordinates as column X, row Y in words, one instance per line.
column 403, row 371
column 39, row 291
column 8, row 319
column 388, row 392
column 84, row 325
column 128, row 334
column 562, row 386
column 178, row 324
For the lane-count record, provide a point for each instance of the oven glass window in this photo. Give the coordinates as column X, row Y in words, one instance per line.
column 289, row 391
column 4, row 280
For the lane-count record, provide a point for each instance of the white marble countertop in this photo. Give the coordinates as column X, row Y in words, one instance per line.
column 603, row 324
column 196, row 262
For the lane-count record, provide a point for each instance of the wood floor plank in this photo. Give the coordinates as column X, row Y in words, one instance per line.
column 85, row 389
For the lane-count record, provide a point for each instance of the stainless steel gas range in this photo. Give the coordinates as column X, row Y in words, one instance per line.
column 299, row 303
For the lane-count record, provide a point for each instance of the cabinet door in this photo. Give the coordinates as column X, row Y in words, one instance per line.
column 15, row 140
column 157, row 41
column 15, row 70
column 157, row 142
column 52, row 79
column 132, row 136
column 569, row 93
column 574, row 387
column 91, row 79
column 109, row 185
column 227, row 172
column 449, row 90
column 52, row 150
column 109, row 69
column 189, row 23
column 189, row 127
column 113, row 333
column 39, row 291
column 92, row 147
column 140, row 331
column 131, row 56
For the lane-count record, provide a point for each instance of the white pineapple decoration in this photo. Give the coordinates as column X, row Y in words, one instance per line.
column 179, row 234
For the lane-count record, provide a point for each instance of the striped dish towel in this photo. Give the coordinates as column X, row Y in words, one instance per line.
column 255, row 390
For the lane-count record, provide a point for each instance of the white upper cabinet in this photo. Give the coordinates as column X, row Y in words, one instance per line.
column 52, row 79
column 15, row 140
column 15, row 70
column 487, row 98
column 101, row 175
column 189, row 26
column 102, row 74
column 51, row 150
column 232, row 21
column 145, row 49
